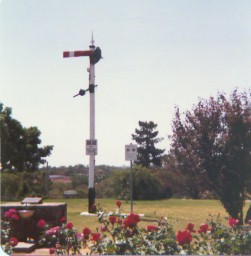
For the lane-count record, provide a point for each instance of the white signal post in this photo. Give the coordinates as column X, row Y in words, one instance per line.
column 91, row 144
column 92, row 134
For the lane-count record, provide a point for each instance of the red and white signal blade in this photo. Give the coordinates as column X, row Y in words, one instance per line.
column 77, row 54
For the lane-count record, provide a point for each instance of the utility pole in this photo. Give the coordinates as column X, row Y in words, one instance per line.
column 94, row 55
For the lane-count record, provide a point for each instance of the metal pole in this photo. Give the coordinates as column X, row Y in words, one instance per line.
column 131, row 188
column 91, row 188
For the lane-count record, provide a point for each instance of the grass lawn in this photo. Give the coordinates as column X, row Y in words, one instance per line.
column 180, row 211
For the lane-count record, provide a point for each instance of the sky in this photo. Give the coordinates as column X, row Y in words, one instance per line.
column 156, row 54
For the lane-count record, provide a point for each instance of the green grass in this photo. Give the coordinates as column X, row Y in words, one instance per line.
column 179, row 211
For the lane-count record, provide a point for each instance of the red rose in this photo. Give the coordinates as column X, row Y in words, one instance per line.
column 131, row 220
column 69, row 225
column 63, row 219
column 96, row 237
column 203, row 228
column 184, row 237
column 15, row 217
column 52, row 250
column 13, row 241
column 86, row 232
column 103, row 228
column 8, row 214
column 12, row 210
column 232, row 222
column 12, row 213
column 190, row 227
column 112, row 219
column 152, row 228
column 41, row 223
column 118, row 203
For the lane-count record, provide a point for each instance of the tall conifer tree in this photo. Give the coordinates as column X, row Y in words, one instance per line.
column 146, row 138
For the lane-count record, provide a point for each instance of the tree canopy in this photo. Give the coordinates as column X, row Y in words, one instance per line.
column 212, row 147
column 146, row 138
column 20, row 150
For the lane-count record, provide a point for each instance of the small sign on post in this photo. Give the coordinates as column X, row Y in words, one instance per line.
column 91, row 147
column 131, row 152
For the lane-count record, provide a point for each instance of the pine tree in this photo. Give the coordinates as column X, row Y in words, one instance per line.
column 146, row 138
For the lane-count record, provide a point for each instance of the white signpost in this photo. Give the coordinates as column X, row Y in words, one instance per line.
column 131, row 155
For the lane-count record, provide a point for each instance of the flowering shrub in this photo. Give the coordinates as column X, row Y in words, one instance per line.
column 61, row 240
column 121, row 235
column 7, row 230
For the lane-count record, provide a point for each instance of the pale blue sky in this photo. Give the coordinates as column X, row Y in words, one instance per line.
column 157, row 53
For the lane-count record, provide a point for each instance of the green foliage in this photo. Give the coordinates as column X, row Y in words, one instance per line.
column 183, row 183
column 104, row 189
column 20, row 146
column 146, row 184
column 20, row 185
column 10, row 184
column 58, row 188
column 211, row 145
column 170, row 183
column 119, row 181
column 79, row 180
column 114, row 182
column 35, row 184
column 146, row 138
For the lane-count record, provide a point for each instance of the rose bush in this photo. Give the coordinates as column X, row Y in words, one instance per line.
column 62, row 240
column 8, row 230
column 122, row 235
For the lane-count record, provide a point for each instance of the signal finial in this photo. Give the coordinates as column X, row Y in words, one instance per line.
column 92, row 42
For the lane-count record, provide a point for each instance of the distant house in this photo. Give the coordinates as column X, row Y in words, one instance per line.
column 60, row 178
